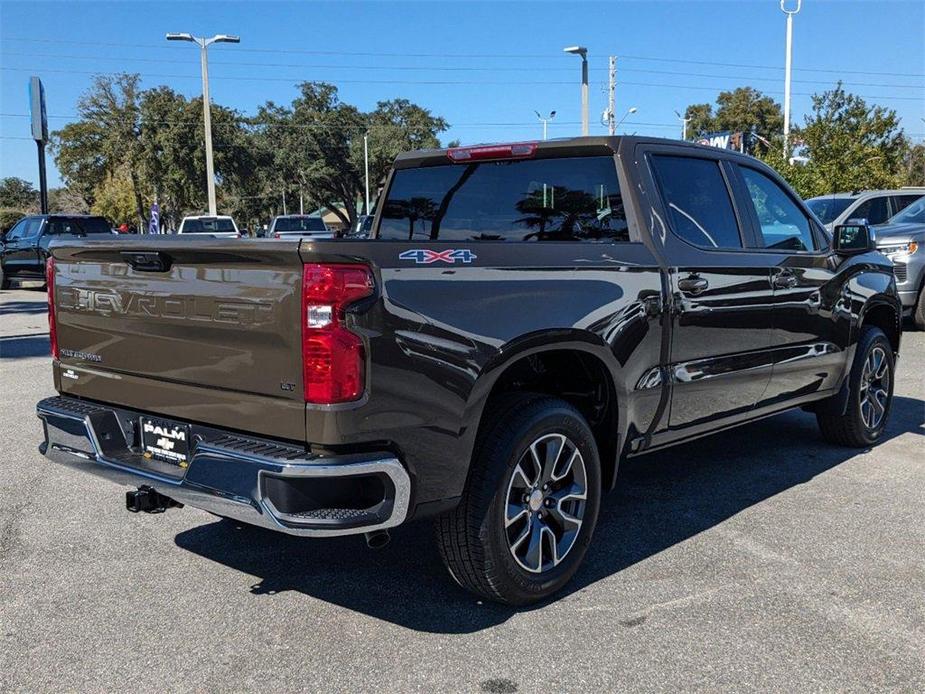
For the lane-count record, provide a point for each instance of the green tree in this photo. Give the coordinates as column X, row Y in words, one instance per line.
column 115, row 199
column 316, row 145
column 8, row 217
column 67, row 200
column 915, row 165
column 743, row 109
column 700, row 119
column 106, row 139
column 850, row 146
column 396, row 126
column 18, row 193
column 77, row 150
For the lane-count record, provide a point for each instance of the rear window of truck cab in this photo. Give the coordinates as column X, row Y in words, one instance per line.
column 567, row 199
column 206, row 225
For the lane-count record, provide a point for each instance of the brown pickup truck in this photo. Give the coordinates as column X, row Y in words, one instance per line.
column 522, row 318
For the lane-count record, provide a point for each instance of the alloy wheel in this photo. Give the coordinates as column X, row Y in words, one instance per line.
column 874, row 388
column 545, row 503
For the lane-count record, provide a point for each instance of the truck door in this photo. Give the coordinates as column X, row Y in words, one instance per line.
column 721, row 294
column 21, row 249
column 809, row 332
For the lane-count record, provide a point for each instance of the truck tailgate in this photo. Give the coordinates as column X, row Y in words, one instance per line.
column 205, row 330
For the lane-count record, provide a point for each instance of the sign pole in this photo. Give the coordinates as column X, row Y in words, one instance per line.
column 43, row 183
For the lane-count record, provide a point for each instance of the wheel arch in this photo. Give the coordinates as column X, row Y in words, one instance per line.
column 885, row 313
column 535, row 363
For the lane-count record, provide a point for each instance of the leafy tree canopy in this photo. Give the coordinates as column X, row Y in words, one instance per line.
column 18, row 193
column 849, row 146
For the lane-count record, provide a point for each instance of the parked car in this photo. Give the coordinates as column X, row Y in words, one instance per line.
column 902, row 240
column 876, row 206
column 24, row 247
column 299, row 226
column 524, row 317
column 220, row 226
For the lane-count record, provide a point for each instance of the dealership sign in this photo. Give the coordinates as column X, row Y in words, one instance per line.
column 725, row 139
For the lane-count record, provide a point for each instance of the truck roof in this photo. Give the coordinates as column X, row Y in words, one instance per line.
column 569, row 146
column 907, row 190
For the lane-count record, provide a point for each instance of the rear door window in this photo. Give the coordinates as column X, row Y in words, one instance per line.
column 568, row 199
column 901, row 202
column 300, row 224
column 698, row 201
column 783, row 224
column 94, row 225
column 874, row 210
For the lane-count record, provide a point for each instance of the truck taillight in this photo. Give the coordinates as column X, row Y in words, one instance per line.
column 333, row 358
column 52, row 321
column 515, row 150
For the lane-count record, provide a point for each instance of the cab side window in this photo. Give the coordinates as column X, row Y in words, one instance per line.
column 63, row 226
column 698, row 201
column 17, row 231
column 784, row 227
column 31, row 229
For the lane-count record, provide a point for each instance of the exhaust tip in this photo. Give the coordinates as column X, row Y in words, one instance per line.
column 377, row 539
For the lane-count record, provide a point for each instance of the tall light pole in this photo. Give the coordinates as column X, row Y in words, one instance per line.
column 366, row 166
column 630, row 111
column 684, row 121
column 789, row 14
column 545, row 120
column 203, row 44
column 583, row 52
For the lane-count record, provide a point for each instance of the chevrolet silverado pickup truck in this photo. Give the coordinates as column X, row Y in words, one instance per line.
column 523, row 317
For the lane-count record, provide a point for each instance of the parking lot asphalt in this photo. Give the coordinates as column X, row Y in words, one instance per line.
column 759, row 558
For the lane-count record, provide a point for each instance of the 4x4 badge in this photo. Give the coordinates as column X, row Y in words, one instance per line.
column 425, row 256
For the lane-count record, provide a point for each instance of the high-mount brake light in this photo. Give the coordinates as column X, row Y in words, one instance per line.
column 52, row 319
column 333, row 358
column 516, row 150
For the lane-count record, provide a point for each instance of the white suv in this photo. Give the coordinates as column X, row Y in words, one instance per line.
column 876, row 206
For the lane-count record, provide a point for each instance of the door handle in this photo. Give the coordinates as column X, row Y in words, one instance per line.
column 784, row 280
column 693, row 285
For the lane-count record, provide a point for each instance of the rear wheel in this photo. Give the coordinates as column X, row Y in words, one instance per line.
column 531, row 503
column 870, row 394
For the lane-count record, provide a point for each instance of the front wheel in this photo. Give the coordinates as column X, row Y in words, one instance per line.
column 4, row 279
column 530, row 506
column 870, row 394
column 918, row 313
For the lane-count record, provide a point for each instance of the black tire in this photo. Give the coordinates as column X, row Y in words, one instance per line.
column 859, row 426
column 5, row 281
column 918, row 313
column 474, row 538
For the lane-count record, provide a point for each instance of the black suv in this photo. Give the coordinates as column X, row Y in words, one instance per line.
column 24, row 248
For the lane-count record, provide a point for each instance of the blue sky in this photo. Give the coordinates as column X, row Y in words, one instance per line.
column 484, row 67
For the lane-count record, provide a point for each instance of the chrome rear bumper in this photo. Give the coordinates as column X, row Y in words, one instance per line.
column 254, row 481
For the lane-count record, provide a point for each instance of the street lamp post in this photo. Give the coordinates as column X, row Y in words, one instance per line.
column 545, row 120
column 789, row 14
column 203, row 44
column 583, row 52
column 366, row 167
column 630, row 111
column 684, row 122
